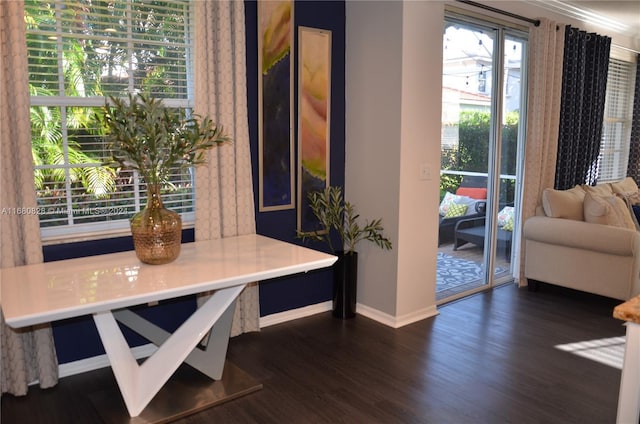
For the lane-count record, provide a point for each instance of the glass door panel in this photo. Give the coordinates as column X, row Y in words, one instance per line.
column 513, row 106
column 478, row 185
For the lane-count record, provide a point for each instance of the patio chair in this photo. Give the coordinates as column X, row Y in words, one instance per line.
column 472, row 230
column 470, row 186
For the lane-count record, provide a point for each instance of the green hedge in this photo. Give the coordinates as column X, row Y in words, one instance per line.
column 473, row 151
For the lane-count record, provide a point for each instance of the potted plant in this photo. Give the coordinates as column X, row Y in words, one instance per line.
column 336, row 215
column 146, row 136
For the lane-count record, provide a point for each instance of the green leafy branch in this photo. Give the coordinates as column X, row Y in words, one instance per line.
column 148, row 137
column 335, row 213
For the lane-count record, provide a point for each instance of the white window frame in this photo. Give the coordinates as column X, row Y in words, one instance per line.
column 118, row 227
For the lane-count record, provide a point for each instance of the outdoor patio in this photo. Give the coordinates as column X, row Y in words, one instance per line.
column 459, row 270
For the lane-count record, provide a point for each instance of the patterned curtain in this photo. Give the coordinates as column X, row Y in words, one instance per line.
column 27, row 354
column 584, row 83
column 543, row 114
column 224, row 186
column 633, row 168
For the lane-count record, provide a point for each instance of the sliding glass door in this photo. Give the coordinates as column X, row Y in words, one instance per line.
column 483, row 105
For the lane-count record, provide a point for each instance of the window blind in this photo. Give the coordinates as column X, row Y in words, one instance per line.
column 79, row 53
column 618, row 112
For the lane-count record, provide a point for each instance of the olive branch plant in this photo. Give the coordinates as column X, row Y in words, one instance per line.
column 335, row 214
column 146, row 136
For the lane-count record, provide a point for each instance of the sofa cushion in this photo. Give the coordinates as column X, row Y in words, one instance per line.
column 473, row 192
column 564, row 203
column 474, row 206
column 607, row 210
column 599, row 190
column 626, row 186
column 455, row 210
column 628, row 189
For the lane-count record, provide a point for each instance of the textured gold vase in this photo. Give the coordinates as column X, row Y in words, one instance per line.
column 157, row 231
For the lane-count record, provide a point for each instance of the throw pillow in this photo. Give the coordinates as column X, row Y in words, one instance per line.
column 626, row 186
column 564, row 203
column 473, row 192
column 469, row 202
column 455, row 210
column 504, row 215
column 508, row 226
column 598, row 190
column 607, row 210
column 447, row 201
column 628, row 189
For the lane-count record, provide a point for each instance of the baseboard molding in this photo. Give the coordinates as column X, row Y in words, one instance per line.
column 292, row 314
column 396, row 322
column 144, row 351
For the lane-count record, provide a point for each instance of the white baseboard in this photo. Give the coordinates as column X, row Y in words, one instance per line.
column 144, row 351
column 396, row 322
column 292, row 314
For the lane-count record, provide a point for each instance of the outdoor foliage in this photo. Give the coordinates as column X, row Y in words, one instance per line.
column 473, row 150
column 146, row 136
column 69, row 152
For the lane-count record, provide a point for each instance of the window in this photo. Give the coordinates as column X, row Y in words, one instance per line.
column 618, row 112
column 79, row 53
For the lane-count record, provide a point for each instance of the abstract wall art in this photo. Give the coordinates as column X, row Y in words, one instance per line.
column 275, row 105
column 314, row 100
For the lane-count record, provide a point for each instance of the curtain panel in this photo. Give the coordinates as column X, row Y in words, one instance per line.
column 546, row 43
column 633, row 167
column 28, row 354
column 584, row 84
column 224, row 185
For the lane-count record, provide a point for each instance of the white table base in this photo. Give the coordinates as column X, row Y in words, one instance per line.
column 187, row 392
column 140, row 383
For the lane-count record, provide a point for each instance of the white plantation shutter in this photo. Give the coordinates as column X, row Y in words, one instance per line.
column 81, row 52
column 618, row 111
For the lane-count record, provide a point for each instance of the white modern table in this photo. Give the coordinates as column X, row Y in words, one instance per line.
column 105, row 286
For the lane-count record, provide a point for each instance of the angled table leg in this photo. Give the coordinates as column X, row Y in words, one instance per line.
column 209, row 360
column 140, row 383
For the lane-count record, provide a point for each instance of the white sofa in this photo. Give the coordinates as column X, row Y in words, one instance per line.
column 587, row 239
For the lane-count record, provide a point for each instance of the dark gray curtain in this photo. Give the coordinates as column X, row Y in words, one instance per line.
column 584, row 83
column 633, row 168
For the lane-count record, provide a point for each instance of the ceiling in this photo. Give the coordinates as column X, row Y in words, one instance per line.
column 622, row 17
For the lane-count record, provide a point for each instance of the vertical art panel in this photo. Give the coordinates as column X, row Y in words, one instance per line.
column 314, row 91
column 275, row 105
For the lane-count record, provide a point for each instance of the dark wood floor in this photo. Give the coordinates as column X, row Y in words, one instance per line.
column 489, row 358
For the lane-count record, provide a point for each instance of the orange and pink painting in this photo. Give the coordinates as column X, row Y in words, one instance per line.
column 314, row 99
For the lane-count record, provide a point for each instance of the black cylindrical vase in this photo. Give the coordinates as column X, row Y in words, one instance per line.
column 345, row 283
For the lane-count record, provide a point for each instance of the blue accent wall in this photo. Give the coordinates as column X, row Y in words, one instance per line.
column 77, row 338
column 297, row 291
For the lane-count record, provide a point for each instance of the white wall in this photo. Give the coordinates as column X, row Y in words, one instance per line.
column 419, row 145
column 393, row 91
column 373, row 120
column 393, row 111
